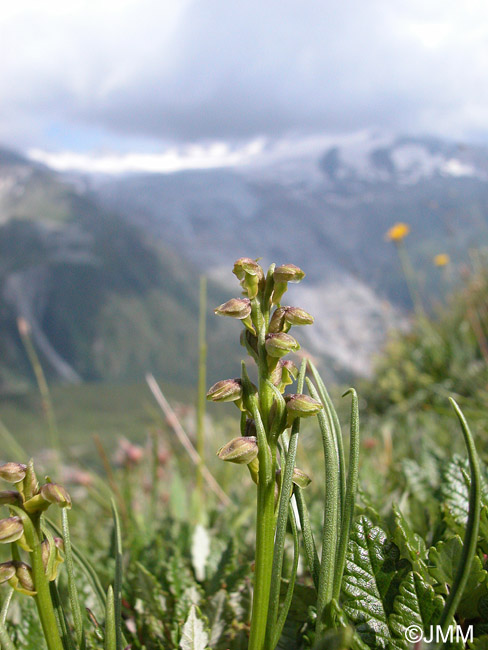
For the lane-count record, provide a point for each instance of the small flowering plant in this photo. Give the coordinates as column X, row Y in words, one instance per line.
column 35, row 553
column 270, row 426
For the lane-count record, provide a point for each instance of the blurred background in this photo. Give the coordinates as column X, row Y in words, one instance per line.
column 146, row 143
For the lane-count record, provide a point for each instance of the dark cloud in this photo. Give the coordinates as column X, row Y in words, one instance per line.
column 226, row 69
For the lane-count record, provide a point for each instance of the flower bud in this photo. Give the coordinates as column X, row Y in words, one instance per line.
column 250, row 342
column 281, row 276
column 277, row 322
column 54, row 493
column 284, row 317
column 22, row 581
column 239, row 450
column 297, row 316
column 288, row 273
column 31, row 484
column 300, row 479
column 250, row 274
column 227, row 390
column 277, row 345
column 7, row 571
column 10, row 498
column 302, row 406
column 11, row 529
column 235, row 308
column 52, row 571
column 13, row 472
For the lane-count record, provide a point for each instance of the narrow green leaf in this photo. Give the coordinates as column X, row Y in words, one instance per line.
column 5, row 606
column 472, row 525
column 5, row 639
column 110, row 624
column 117, row 595
column 72, row 590
column 85, row 565
column 66, row 636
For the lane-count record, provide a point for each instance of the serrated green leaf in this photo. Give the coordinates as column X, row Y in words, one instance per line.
column 444, row 559
column 455, row 486
column 410, row 544
column 416, row 604
column 373, row 573
column 194, row 636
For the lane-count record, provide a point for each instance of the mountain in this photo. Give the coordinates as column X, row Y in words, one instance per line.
column 105, row 268
column 327, row 211
column 102, row 299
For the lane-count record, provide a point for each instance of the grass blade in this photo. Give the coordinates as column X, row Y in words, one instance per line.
column 331, row 512
column 84, row 564
column 472, row 525
column 72, row 590
column 5, row 639
column 117, row 591
column 66, row 636
column 351, row 490
column 291, row 584
column 110, row 625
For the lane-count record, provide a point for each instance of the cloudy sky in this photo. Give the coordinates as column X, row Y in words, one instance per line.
column 146, row 76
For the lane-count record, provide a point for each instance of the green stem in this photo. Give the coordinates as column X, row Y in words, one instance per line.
column 472, row 526
column 308, row 539
column 264, row 550
column 331, row 511
column 287, row 467
column 32, row 531
column 291, row 584
column 350, row 496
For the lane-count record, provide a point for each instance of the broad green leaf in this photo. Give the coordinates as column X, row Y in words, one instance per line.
column 194, row 636
column 371, row 582
column 481, row 643
column 416, row 604
column 411, row 545
column 455, row 495
column 444, row 559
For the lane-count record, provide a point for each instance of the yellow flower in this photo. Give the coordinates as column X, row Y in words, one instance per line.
column 442, row 259
column 398, row 232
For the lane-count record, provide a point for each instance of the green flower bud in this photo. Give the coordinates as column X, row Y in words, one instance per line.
column 250, row 342
column 300, row 479
column 13, row 472
column 11, row 529
column 54, row 493
column 250, row 274
column 7, row 571
column 284, row 317
column 51, row 569
column 235, row 308
column 31, row 484
column 22, row 581
column 10, row 497
column 277, row 345
column 227, row 390
column 301, row 406
column 288, row 273
column 281, row 276
column 241, row 450
column 297, row 316
column 277, row 322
